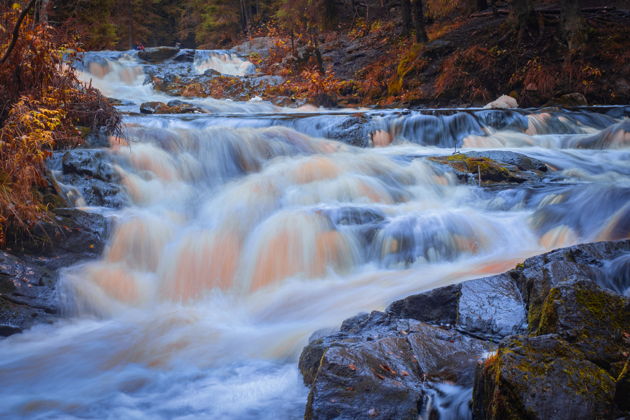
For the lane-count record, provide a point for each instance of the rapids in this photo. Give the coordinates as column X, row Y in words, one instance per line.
column 254, row 226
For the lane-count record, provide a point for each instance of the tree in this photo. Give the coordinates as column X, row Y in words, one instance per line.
column 520, row 15
column 571, row 24
column 418, row 20
column 405, row 6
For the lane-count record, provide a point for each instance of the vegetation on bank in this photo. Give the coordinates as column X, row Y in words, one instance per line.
column 389, row 52
column 43, row 107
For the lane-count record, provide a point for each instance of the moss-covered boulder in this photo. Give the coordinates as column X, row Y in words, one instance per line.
column 592, row 319
column 541, row 377
column 492, row 167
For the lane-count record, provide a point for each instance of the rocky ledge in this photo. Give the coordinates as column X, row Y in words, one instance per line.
column 30, row 264
column 548, row 339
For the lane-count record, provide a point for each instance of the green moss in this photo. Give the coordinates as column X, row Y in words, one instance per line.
column 488, row 169
column 601, row 306
column 548, row 318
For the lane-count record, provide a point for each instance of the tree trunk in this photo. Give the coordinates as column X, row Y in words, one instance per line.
column 571, row 24
column 521, row 12
column 406, row 17
column 43, row 12
column 418, row 20
column 130, row 23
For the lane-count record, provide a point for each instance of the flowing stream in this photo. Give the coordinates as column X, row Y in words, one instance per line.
column 254, row 226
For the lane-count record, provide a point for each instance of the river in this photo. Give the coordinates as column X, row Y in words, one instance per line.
column 254, row 226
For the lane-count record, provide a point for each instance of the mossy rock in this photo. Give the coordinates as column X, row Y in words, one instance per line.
column 479, row 168
column 541, row 377
column 591, row 318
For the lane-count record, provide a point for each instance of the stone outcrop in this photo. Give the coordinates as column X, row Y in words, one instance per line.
column 28, row 270
column 548, row 339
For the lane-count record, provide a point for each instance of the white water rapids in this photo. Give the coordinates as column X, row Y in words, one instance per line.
column 248, row 231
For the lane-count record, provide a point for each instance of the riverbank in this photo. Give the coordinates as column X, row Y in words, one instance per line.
column 466, row 62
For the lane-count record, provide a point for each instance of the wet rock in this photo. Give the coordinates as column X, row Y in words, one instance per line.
column 89, row 162
column 87, row 177
column 173, row 107
column 538, row 275
column 476, row 168
column 185, row 56
column 377, row 366
column 157, row 54
column 573, row 364
column 437, row 306
column 593, row 320
column 542, row 377
column 490, row 307
column 29, row 266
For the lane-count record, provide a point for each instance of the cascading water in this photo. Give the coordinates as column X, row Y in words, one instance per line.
column 249, row 231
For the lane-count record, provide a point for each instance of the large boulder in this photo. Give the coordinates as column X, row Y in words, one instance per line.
column 28, row 272
column 157, row 54
column 490, row 307
column 564, row 335
column 87, row 177
column 172, row 107
column 542, row 377
column 378, row 366
column 493, row 167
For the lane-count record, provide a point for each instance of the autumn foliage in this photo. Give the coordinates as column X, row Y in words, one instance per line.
column 41, row 105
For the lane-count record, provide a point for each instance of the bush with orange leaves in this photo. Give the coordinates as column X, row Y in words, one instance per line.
column 469, row 70
column 41, row 105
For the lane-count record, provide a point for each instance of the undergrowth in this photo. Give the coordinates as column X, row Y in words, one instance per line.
column 41, row 105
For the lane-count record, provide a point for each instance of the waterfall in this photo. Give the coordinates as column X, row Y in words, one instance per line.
column 254, row 226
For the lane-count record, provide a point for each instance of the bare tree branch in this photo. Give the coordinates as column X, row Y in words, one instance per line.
column 16, row 31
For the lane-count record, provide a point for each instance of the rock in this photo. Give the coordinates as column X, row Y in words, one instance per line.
column 438, row 48
column 28, row 268
column 541, row 378
column 173, row 107
column 538, row 275
column 378, row 366
column 490, row 307
column 185, row 56
column 152, row 107
column 437, row 306
column 89, row 162
column 157, row 54
column 324, row 100
column 87, row 177
column 475, row 168
column 260, row 46
column 593, row 320
column 503, row 102
column 569, row 100
column 573, row 364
